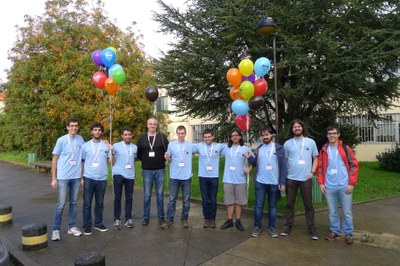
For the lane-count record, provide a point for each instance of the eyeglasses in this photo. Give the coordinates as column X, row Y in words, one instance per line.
column 235, row 135
column 332, row 133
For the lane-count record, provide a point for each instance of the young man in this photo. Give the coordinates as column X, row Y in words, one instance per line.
column 123, row 170
column 302, row 160
column 151, row 149
column 235, row 178
column 95, row 153
column 180, row 153
column 337, row 176
column 269, row 179
column 209, row 153
column 66, row 177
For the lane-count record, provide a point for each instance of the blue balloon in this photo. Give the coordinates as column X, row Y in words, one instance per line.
column 240, row 107
column 108, row 57
column 113, row 68
column 262, row 66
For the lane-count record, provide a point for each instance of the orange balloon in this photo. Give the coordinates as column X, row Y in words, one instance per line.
column 235, row 94
column 111, row 86
column 234, row 77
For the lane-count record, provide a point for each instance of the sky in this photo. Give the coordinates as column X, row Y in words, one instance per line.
column 124, row 11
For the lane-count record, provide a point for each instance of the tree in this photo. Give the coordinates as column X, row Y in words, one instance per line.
column 333, row 58
column 51, row 77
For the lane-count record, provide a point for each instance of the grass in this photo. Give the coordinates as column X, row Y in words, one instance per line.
column 373, row 183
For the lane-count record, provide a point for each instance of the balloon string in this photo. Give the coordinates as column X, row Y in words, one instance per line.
column 111, row 133
column 247, row 163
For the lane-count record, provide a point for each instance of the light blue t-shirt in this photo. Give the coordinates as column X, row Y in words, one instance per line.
column 181, row 159
column 95, row 155
column 208, row 158
column 70, row 157
column 235, row 162
column 125, row 155
column 336, row 173
column 299, row 155
column 267, row 165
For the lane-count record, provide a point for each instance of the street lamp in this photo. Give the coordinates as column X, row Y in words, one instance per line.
column 265, row 27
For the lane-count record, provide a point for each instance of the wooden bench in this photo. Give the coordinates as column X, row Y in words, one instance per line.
column 42, row 167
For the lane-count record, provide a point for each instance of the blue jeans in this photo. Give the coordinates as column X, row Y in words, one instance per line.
column 156, row 177
column 97, row 188
column 119, row 183
column 261, row 191
column 333, row 196
column 66, row 188
column 174, row 186
column 209, row 189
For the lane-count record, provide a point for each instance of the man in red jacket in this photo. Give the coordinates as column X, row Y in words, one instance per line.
column 337, row 176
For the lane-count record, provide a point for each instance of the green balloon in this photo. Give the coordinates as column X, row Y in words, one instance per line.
column 119, row 76
column 247, row 89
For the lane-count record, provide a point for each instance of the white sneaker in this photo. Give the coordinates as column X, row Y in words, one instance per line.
column 55, row 236
column 74, row 231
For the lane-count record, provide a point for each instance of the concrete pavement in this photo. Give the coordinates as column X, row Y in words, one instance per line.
column 377, row 239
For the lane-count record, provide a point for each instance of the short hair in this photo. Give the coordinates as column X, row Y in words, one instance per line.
column 180, row 128
column 127, row 128
column 97, row 124
column 333, row 127
column 152, row 118
column 237, row 130
column 301, row 123
column 268, row 129
column 208, row 131
column 72, row 120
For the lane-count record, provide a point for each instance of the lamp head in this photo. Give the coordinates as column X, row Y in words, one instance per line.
column 266, row 26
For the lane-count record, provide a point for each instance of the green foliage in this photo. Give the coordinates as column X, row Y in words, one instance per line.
column 52, row 56
column 389, row 160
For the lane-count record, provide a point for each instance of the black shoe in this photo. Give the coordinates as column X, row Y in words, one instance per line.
column 87, row 231
column 101, row 228
column 314, row 234
column 161, row 221
column 145, row 222
column 239, row 225
column 227, row 224
column 285, row 231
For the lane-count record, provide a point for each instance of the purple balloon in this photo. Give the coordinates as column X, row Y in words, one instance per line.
column 250, row 78
column 96, row 57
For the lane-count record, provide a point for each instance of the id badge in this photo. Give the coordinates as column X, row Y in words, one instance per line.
column 72, row 162
column 232, row 168
column 334, row 171
column 181, row 164
column 301, row 161
column 268, row 167
column 209, row 168
column 95, row 164
column 152, row 154
column 128, row 166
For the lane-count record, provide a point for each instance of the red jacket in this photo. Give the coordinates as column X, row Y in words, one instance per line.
column 348, row 158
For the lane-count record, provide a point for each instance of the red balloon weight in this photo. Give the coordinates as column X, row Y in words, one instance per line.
column 243, row 122
column 260, row 87
column 99, row 79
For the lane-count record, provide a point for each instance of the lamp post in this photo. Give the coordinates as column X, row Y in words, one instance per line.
column 265, row 27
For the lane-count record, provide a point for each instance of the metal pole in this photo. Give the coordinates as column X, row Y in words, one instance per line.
column 276, row 92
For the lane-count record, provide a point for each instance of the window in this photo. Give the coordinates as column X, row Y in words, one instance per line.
column 162, row 104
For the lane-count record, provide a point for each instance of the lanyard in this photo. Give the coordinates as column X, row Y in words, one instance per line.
column 73, row 146
column 234, row 156
column 128, row 152
column 334, row 160
column 180, row 150
column 270, row 153
column 151, row 144
column 205, row 147
column 297, row 148
column 96, row 154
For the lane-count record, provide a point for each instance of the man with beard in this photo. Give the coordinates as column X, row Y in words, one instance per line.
column 302, row 161
column 269, row 178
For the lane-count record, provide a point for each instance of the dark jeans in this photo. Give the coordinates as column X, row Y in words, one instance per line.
column 174, row 186
column 97, row 188
column 155, row 177
column 306, row 195
column 261, row 191
column 119, row 183
column 209, row 189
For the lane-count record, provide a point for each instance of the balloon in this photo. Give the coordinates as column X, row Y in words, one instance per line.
column 246, row 67
column 256, row 102
column 235, row 94
column 243, row 122
column 113, row 68
column 152, row 93
column 99, row 79
column 262, row 66
column 247, row 89
column 240, row 107
column 119, row 76
column 260, row 87
column 108, row 57
column 113, row 48
column 96, row 57
column 250, row 78
column 234, row 77
column 111, row 86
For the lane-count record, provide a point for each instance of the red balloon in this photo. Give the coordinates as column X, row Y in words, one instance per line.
column 243, row 122
column 260, row 87
column 99, row 79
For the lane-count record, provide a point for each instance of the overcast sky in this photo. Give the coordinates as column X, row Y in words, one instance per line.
column 124, row 11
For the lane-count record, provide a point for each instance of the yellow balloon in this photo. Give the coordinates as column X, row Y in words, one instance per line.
column 246, row 67
column 115, row 51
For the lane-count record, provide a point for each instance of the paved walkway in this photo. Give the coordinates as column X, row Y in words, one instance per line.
column 377, row 240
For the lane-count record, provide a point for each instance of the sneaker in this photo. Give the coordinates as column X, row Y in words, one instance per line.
column 348, row 239
column 117, row 224
column 206, row 224
column 101, row 228
column 145, row 222
column 87, row 231
column 74, row 231
column 285, row 231
column 332, row 236
column 161, row 221
column 212, row 224
column 256, row 232
column 166, row 224
column 239, row 225
column 272, row 232
column 227, row 224
column 129, row 223
column 314, row 234
column 185, row 224
column 55, row 236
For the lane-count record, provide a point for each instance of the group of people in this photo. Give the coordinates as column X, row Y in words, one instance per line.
column 279, row 170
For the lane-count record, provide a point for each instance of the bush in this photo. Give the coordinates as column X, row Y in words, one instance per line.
column 389, row 160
